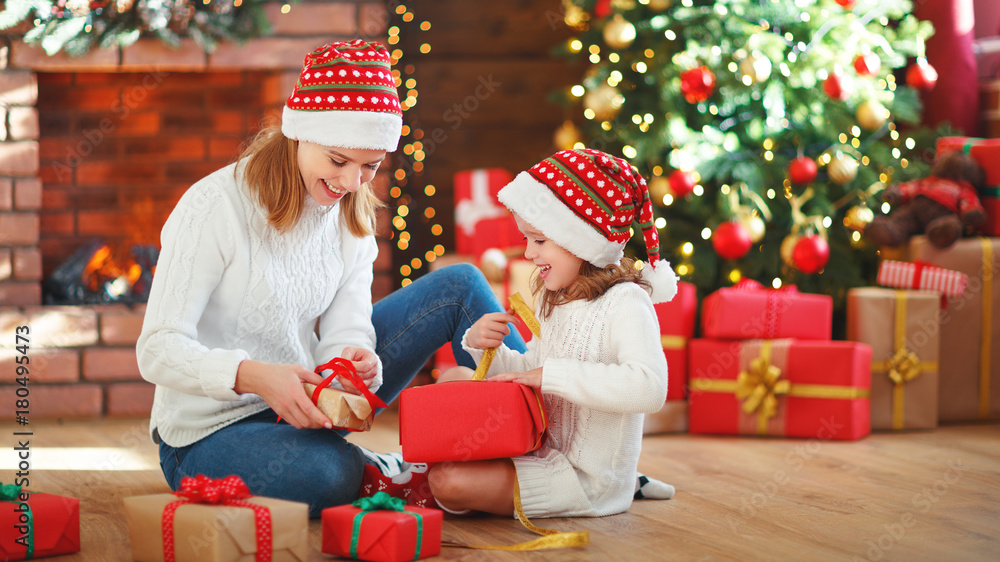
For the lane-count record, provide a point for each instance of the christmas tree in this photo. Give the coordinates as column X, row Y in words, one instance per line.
column 766, row 128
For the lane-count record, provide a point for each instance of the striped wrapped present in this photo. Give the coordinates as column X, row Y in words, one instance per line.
column 921, row 276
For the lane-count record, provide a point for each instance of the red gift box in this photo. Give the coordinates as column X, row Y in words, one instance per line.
column 922, row 276
column 54, row 526
column 676, row 319
column 987, row 153
column 748, row 310
column 481, row 222
column 791, row 388
column 470, row 420
column 385, row 535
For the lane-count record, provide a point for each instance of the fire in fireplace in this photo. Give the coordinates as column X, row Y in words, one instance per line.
column 99, row 273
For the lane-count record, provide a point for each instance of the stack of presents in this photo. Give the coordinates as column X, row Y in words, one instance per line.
column 919, row 350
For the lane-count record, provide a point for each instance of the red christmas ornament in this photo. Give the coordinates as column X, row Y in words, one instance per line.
column 802, row 170
column 602, row 9
column 921, row 75
column 697, row 84
column 731, row 240
column 867, row 64
column 682, row 183
column 835, row 88
column 811, row 254
column 847, row 4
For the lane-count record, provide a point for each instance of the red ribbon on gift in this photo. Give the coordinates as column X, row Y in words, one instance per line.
column 231, row 491
column 773, row 301
column 343, row 368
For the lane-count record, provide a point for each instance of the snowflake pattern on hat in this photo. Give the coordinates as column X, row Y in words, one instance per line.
column 353, row 76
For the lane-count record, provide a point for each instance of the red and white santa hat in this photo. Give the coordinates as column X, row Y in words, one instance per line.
column 345, row 97
column 586, row 201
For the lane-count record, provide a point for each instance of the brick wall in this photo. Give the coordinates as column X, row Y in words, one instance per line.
column 113, row 138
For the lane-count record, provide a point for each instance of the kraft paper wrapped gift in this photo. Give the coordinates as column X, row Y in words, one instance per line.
column 969, row 372
column 382, row 529
column 45, row 524
column 346, row 410
column 481, row 222
column 749, row 310
column 903, row 329
column 212, row 532
column 470, row 420
column 677, row 322
column 790, row 388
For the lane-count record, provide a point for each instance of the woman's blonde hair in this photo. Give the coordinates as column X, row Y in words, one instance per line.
column 272, row 174
column 591, row 283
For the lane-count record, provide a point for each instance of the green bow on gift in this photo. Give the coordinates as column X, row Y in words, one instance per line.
column 378, row 502
column 11, row 493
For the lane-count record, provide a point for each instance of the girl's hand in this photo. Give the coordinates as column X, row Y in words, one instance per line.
column 280, row 385
column 532, row 378
column 365, row 363
column 490, row 330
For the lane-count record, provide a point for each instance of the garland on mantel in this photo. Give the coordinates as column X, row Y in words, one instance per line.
column 78, row 26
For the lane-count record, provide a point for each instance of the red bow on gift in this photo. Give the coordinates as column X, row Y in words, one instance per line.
column 230, row 490
column 202, row 489
column 773, row 312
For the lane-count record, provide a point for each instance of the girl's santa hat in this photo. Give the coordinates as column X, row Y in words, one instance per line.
column 586, row 201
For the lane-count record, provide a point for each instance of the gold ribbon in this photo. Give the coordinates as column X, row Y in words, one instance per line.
column 986, row 334
column 521, row 309
column 759, row 386
column 673, row 342
column 903, row 366
column 550, row 538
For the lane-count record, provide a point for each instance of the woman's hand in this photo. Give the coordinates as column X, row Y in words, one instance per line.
column 532, row 378
column 365, row 363
column 490, row 330
column 280, row 385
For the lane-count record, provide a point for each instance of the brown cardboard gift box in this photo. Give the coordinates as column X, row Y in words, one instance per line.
column 969, row 385
column 903, row 329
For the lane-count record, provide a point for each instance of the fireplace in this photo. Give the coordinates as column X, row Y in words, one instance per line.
column 94, row 153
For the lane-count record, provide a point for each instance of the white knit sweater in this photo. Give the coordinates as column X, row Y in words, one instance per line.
column 229, row 287
column 602, row 368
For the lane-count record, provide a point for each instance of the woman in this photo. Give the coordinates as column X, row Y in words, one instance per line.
column 265, row 272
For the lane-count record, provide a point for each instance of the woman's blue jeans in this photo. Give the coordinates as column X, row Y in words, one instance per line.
column 318, row 466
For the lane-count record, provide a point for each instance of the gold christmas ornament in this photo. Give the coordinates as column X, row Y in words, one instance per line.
column 566, row 136
column 659, row 187
column 660, row 5
column 756, row 66
column 788, row 249
column 753, row 223
column 573, row 15
column 872, row 115
column 858, row 217
column 842, row 168
column 619, row 33
column 605, row 101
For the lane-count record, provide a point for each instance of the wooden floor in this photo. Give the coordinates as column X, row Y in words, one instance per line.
column 916, row 496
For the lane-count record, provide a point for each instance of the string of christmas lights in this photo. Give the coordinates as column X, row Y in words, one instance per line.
column 416, row 231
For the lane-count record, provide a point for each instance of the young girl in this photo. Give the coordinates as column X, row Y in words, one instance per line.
column 598, row 362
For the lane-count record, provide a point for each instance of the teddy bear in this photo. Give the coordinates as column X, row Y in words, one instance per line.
column 943, row 205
